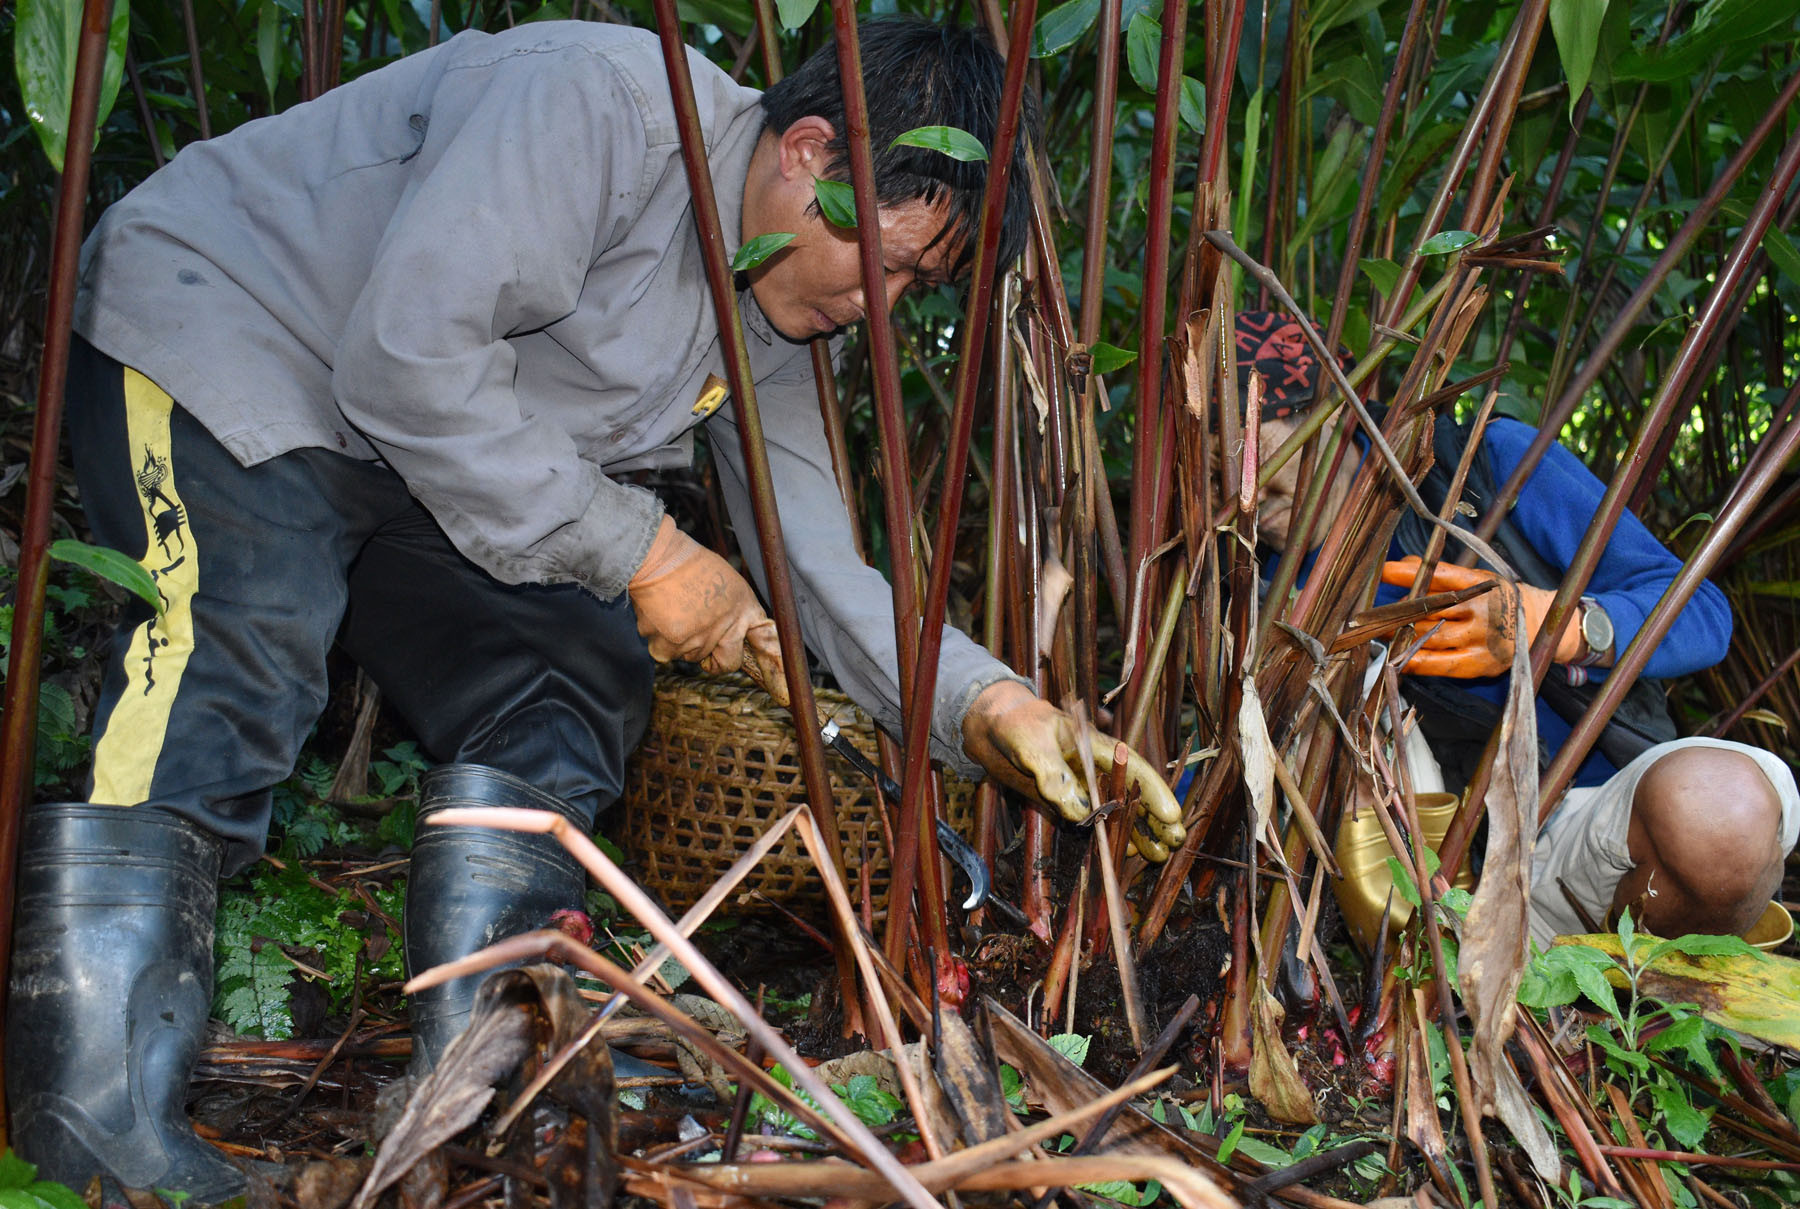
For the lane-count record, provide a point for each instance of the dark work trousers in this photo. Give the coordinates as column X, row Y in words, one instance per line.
column 204, row 707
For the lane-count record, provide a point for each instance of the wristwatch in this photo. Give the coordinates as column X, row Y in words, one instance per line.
column 1596, row 632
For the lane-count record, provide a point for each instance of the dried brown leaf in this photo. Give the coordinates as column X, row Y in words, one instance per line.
column 1274, row 1079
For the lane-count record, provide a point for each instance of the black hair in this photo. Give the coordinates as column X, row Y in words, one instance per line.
column 919, row 73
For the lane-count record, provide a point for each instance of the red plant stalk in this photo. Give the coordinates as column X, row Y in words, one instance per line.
column 1764, row 470
column 1710, row 321
column 1365, row 198
column 1521, row 42
column 1221, row 66
column 974, row 342
column 18, row 730
column 1145, row 460
column 761, row 482
column 1699, row 217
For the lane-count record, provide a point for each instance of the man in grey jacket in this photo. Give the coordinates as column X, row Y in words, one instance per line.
column 368, row 371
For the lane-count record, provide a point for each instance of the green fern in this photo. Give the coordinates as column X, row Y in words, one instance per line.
column 271, row 912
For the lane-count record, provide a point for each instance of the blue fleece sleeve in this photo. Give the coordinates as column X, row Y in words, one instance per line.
column 1554, row 510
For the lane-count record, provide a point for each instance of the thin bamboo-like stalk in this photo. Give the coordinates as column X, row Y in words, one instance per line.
column 916, row 805
column 1698, row 220
column 756, row 459
column 18, row 730
column 1782, row 445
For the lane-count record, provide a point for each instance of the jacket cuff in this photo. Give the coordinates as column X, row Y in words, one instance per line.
column 953, row 709
column 608, row 544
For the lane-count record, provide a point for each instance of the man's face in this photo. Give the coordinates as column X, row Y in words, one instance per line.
column 814, row 285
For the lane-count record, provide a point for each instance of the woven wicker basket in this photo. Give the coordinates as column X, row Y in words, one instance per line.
column 718, row 765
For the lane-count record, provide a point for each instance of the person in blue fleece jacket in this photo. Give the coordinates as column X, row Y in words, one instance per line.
column 1690, row 832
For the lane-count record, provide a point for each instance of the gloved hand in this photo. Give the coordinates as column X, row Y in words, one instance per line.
column 763, row 662
column 691, row 605
column 1030, row 746
column 1477, row 636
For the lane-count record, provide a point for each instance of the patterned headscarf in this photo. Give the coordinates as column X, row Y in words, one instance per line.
column 1272, row 344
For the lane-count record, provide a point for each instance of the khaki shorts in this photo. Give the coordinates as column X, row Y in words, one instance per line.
column 1584, row 842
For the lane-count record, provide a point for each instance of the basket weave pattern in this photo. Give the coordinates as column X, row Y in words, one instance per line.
column 720, row 764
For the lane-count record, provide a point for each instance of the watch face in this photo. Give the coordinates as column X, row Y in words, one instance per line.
column 1596, row 628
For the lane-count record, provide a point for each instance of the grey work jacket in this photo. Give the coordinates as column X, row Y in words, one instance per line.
column 478, row 266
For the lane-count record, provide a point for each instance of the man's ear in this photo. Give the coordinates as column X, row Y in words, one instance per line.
column 802, row 147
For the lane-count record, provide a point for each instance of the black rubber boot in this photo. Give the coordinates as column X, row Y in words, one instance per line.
column 111, row 986
column 472, row 886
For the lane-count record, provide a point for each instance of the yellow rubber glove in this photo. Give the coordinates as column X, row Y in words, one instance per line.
column 1477, row 636
column 1030, row 746
column 691, row 605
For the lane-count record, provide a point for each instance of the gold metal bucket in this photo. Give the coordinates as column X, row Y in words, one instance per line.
column 1362, row 850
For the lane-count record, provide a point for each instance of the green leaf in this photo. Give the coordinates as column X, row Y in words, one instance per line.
column 864, row 1097
column 1447, row 241
column 1107, row 357
column 18, row 1198
column 956, row 143
column 269, row 46
column 1143, row 42
column 760, row 249
column 46, row 35
column 794, row 13
column 57, row 1196
column 1782, row 252
column 1679, row 1035
column 1247, row 169
column 1229, row 1146
column 1385, row 274
column 1072, row 1046
column 1617, row 1052
column 1684, row 1123
column 1593, row 984
column 1576, row 24
column 109, row 564
column 1404, row 885
column 1703, row 945
column 1192, row 106
column 1061, row 26
column 15, row 1172
column 837, row 201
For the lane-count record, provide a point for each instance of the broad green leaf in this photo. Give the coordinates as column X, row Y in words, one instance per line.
column 1754, row 995
column 1131, row 10
column 1686, row 1124
column 1332, row 13
column 269, row 46
column 46, row 35
column 1108, row 357
column 1192, row 105
column 57, row 1196
column 794, row 13
column 1731, row 31
column 1073, row 1046
column 1385, row 274
column 760, row 249
column 955, row 143
column 1404, row 885
column 864, row 1097
column 1782, row 253
column 1576, row 24
column 110, row 565
column 15, row 1172
column 19, row 1198
column 1677, row 1036
column 1618, row 1053
column 1143, row 42
column 837, row 201
column 1447, row 241
column 1061, row 26
column 1702, row 945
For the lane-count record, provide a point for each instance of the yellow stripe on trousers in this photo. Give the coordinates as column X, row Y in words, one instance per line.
column 126, row 755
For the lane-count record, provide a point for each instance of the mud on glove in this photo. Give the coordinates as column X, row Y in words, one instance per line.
column 1476, row 637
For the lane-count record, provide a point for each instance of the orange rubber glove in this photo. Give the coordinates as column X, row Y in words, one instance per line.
column 691, row 605
column 1476, row 637
column 1030, row 746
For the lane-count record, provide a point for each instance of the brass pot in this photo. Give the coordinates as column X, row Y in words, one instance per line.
column 1773, row 929
column 1362, row 850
